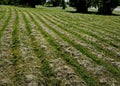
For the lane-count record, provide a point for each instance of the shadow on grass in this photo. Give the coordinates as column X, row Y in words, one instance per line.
column 96, row 13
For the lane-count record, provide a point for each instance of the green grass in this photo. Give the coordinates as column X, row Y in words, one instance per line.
column 113, row 70
column 16, row 50
column 15, row 40
column 5, row 24
column 90, row 81
column 45, row 67
column 86, row 24
column 79, row 36
column 2, row 13
column 72, row 30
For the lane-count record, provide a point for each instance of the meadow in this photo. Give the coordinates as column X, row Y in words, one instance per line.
column 53, row 47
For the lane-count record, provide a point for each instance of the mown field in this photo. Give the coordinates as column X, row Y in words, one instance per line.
column 52, row 47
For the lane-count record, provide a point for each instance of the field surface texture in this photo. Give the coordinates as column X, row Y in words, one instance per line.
column 52, row 47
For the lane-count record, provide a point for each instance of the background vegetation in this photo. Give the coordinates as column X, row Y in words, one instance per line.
column 104, row 6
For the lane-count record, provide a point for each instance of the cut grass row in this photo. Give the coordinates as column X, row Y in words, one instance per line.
column 109, row 67
column 70, row 61
column 56, row 56
column 16, row 50
column 40, row 53
column 79, row 36
column 3, row 12
column 87, row 32
column 88, row 20
column 85, row 24
column 80, row 29
column 114, row 69
column 6, row 23
column 10, row 19
column 94, row 46
column 15, row 40
column 30, row 17
column 30, row 65
column 92, row 27
column 88, row 24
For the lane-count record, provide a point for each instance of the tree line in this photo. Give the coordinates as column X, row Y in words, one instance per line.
column 28, row 3
column 104, row 6
column 31, row 3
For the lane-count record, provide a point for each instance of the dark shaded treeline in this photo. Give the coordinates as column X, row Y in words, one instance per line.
column 31, row 3
column 104, row 6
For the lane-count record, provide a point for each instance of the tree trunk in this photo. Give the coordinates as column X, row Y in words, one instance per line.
column 63, row 4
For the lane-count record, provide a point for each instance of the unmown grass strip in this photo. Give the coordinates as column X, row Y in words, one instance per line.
column 4, row 11
column 15, row 40
column 86, row 19
column 88, row 25
column 80, row 30
column 56, row 56
column 32, row 64
column 85, row 22
column 105, row 21
column 46, row 70
column 93, row 21
column 6, row 23
column 15, row 50
column 116, row 21
column 69, row 60
column 82, row 49
column 79, row 36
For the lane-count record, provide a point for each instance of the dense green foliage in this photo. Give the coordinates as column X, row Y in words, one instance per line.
column 30, row 3
column 4, row 1
column 107, row 6
column 55, row 2
column 104, row 6
column 80, row 5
